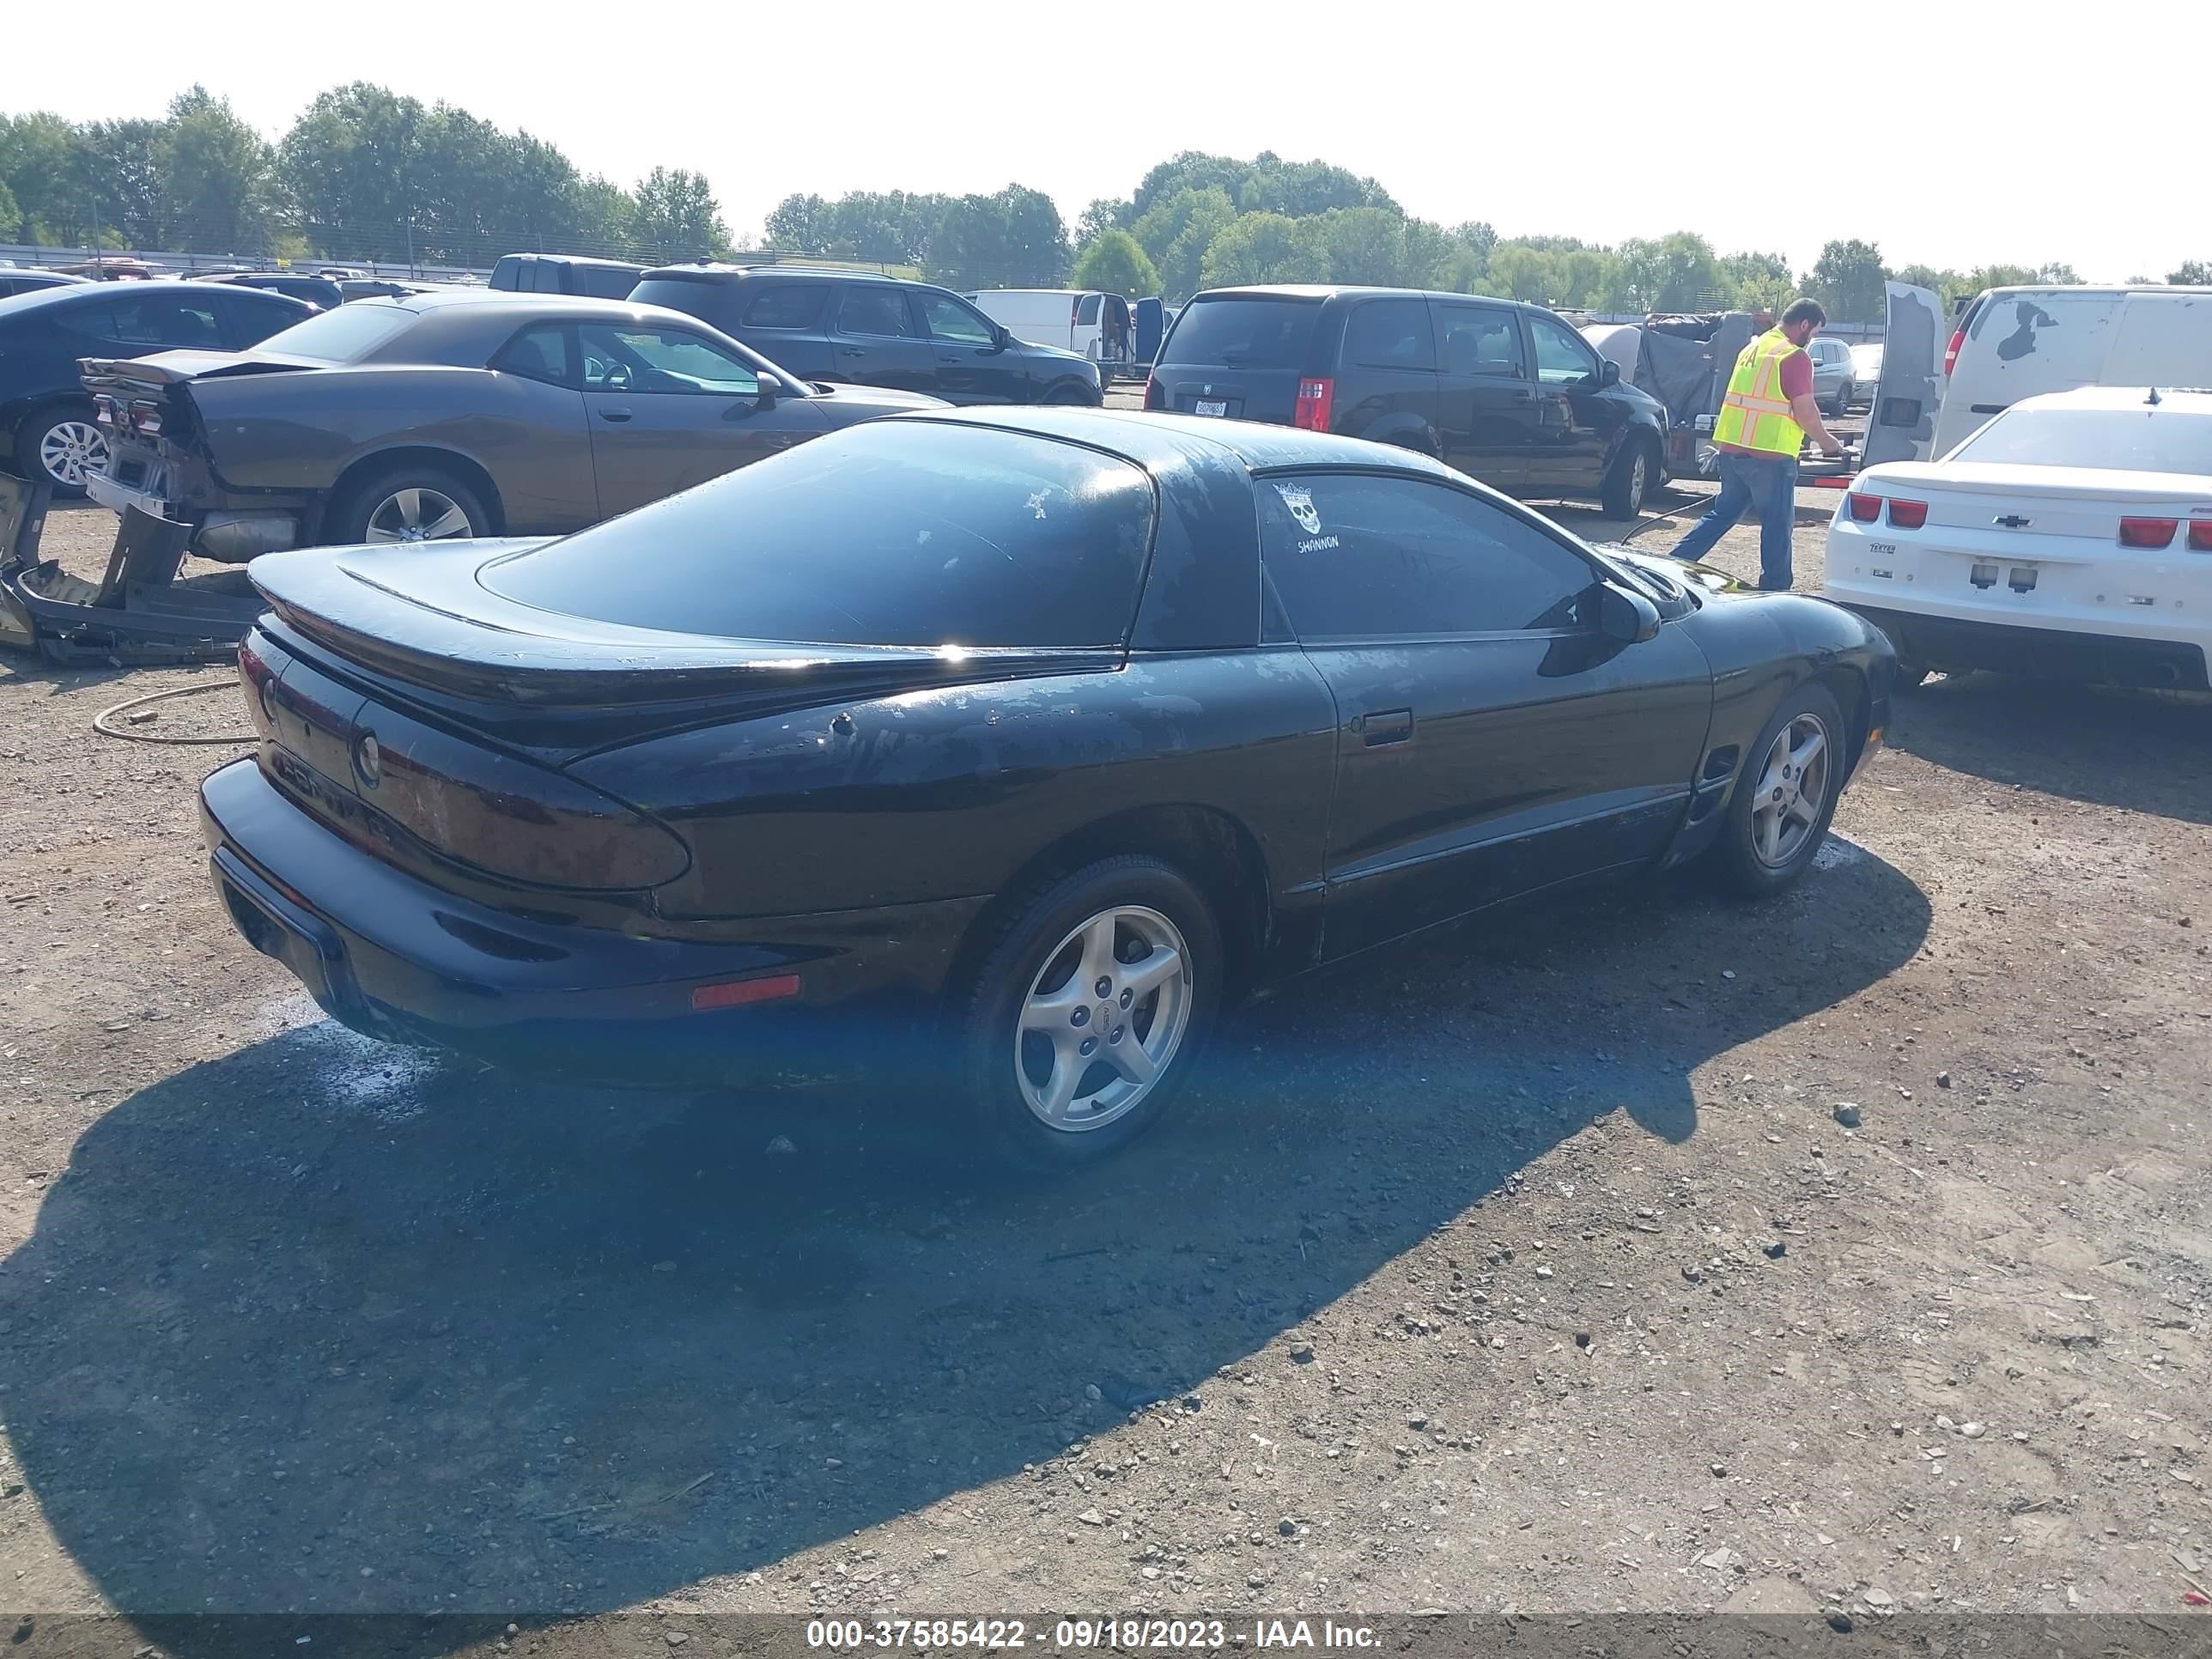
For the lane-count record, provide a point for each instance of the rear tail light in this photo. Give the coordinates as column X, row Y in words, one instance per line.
column 146, row 418
column 1317, row 400
column 2150, row 532
column 2200, row 535
column 1951, row 352
column 1907, row 515
column 1865, row 509
column 1155, row 395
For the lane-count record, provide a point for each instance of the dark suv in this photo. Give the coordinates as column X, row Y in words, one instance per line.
column 1506, row 392
column 873, row 331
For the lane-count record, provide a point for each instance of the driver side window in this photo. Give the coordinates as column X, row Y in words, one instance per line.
column 946, row 319
column 662, row 359
column 1562, row 358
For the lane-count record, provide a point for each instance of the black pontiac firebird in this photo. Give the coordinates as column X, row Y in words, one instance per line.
column 1038, row 734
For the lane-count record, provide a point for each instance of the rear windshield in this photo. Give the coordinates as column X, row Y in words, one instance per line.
column 2132, row 440
column 895, row 533
column 1238, row 333
column 345, row 335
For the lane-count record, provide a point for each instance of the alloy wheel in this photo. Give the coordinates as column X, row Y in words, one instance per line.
column 71, row 451
column 1102, row 1019
column 1792, row 787
column 417, row 514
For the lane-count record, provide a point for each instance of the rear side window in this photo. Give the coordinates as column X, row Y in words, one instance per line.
column 1243, row 333
column 539, row 353
column 895, row 533
column 876, row 311
column 1357, row 558
column 1390, row 334
column 788, row 304
column 604, row 281
column 1086, row 311
column 2128, row 440
column 1480, row 340
column 165, row 320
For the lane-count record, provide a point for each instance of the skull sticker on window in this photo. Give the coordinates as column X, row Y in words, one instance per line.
column 1300, row 502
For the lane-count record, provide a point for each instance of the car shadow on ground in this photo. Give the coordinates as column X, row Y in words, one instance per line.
column 2063, row 738
column 328, row 1326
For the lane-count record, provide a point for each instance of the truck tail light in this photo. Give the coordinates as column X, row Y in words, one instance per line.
column 2150, row 532
column 1950, row 351
column 1907, row 515
column 1865, row 509
column 1316, row 401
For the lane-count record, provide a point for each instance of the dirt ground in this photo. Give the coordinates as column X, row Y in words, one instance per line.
column 1531, row 1266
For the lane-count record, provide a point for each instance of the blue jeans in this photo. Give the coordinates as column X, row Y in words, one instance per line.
column 1766, row 483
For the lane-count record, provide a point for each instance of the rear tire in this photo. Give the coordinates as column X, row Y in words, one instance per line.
column 1632, row 476
column 1072, row 397
column 1778, row 815
column 412, row 503
column 1044, row 1101
column 61, row 444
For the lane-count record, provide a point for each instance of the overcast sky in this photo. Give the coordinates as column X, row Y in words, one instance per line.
column 1950, row 134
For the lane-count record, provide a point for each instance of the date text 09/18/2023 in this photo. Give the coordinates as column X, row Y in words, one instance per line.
column 1126, row 1634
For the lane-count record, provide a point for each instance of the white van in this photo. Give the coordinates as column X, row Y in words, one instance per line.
column 1082, row 320
column 2013, row 342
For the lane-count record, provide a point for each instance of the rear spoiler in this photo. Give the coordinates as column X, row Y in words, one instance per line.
column 152, row 371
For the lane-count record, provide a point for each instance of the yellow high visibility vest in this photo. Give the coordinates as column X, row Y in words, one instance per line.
column 1755, row 415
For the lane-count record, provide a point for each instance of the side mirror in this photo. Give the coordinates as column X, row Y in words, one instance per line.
column 1608, row 374
column 766, row 399
column 1002, row 336
column 1626, row 617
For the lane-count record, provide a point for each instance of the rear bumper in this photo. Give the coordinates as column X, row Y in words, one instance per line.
column 398, row 959
column 1957, row 644
column 240, row 528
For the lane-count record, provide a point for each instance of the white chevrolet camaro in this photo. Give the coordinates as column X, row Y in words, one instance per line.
column 2069, row 538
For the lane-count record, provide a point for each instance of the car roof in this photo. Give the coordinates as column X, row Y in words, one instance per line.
column 488, row 300
column 42, row 299
column 703, row 271
column 1155, row 441
column 575, row 259
column 2123, row 399
column 1318, row 291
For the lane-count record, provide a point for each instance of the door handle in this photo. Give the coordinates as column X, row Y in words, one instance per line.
column 614, row 414
column 1386, row 726
column 946, row 357
column 850, row 351
column 1522, row 395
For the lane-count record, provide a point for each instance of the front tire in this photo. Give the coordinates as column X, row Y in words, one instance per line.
column 1785, row 796
column 411, row 504
column 1061, row 1073
column 1632, row 479
column 1071, row 396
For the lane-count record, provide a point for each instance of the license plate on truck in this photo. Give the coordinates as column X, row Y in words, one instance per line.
column 1203, row 407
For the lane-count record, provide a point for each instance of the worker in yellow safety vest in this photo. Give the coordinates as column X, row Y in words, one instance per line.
column 1765, row 416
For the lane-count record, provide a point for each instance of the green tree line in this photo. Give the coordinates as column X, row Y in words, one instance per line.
column 1202, row 220
column 367, row 173
column 364, row 174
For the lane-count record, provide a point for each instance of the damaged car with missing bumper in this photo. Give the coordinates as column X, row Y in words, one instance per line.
column 1006, row 746
column 445, row 413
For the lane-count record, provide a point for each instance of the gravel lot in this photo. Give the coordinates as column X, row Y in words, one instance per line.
column 1529, row 1267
